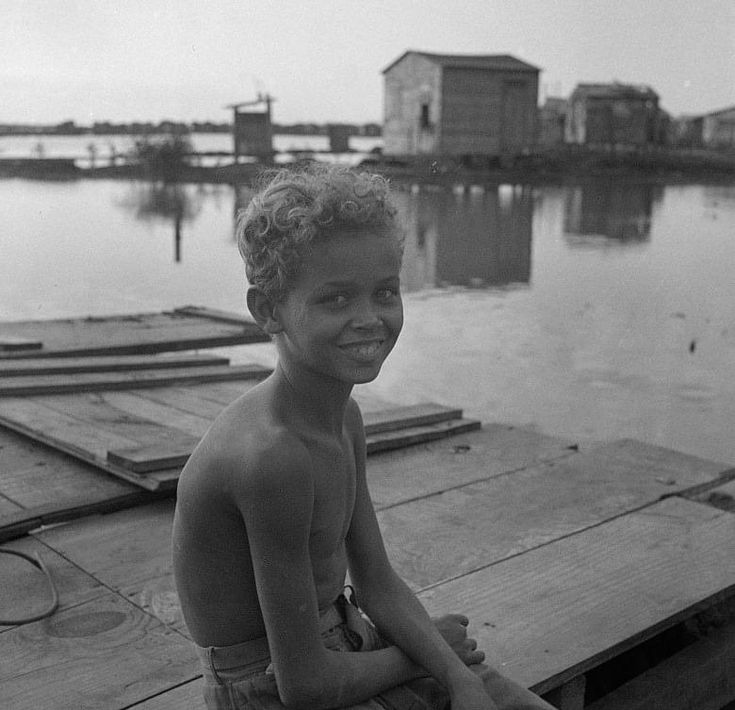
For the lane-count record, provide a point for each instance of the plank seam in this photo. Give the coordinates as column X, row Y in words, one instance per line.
column 562, row 455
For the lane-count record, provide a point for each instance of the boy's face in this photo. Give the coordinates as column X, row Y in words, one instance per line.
column 343, row 314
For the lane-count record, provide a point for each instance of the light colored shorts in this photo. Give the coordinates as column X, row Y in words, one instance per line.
column 240, row 677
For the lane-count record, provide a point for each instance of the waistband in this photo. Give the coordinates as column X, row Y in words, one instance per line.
column 254, row 656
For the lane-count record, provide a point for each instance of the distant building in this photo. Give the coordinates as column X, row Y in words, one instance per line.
column 339, row 136
column 551, row 121
column 718, row 129
column 252, row 131
column 612, row 114
column 453, row 104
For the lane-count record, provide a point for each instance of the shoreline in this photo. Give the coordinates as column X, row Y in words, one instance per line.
column 551, row 167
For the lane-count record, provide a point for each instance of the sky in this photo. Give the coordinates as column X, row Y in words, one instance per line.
column 322, row 60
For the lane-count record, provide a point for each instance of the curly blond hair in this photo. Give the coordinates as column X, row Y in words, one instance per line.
column 295, row 207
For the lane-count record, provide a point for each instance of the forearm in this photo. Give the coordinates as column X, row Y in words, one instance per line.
column 351, row 678
column 402, row 619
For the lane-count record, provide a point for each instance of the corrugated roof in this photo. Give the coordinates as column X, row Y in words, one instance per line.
column 615, row 90
column 471, row 61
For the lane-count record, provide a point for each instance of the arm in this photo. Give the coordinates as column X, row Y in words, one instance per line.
column 276, row 504
column 396, row 611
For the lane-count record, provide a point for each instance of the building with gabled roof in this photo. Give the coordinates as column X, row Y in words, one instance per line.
column 459, row 104
column 612, row 114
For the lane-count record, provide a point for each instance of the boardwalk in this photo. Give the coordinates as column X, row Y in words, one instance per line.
column 564, row 559
column 601, row 576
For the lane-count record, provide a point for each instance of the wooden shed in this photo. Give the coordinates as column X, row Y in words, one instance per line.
column 718, row 129
column 612, row 114
column 452, row 104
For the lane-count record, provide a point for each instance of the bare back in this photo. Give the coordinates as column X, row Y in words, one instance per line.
column 253, row 443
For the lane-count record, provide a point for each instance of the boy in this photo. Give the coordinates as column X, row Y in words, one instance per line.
column 273, row 507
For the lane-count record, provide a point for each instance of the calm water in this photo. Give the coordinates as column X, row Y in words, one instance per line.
column 593, row 312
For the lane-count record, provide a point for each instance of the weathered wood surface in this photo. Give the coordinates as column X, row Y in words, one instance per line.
column 705, row 673
column 68, row 383
column 105, row 653
column 580, row 588
column 505, row 514
column 549, row 614
column 15, row 367
column 126, row 334
column 146, row 433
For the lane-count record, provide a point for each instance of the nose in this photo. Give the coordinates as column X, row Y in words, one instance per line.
column 365, row 316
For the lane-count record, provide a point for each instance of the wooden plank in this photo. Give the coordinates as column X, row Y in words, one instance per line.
column 189, row 696
column 105, row 653
column 406, row 474
column 395, row 439
column 25, row 591
column 17, row 367
column 190, row 399
column 130, row 552
column 98, row 381
column 416, row 415
column 127, row 334
column 9, row 343
column 720, row 496
column 556, row 611
column 459, row 530
column 700, row 676
column 215, row 314
column 134, row 406
column 175, row 452
column 72, row 436
column 154, row 457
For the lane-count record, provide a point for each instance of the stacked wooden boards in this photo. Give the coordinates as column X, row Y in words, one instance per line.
column 139, row 417
column 184, row 328
column 562, row 559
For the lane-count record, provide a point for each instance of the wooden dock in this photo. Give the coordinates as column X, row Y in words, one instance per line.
column 566, row 560
column 602, row 577
column 186, row 328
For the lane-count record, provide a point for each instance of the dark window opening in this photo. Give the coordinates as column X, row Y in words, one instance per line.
column 425, row 122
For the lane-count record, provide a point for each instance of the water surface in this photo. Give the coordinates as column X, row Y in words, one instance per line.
column 594, row 312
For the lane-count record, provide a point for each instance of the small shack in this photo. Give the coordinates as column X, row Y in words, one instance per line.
column 612, row 114
column 253, row 130
column 453, row 104
column 718, row 129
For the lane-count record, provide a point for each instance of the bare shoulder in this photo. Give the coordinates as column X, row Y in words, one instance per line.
column 246, row 454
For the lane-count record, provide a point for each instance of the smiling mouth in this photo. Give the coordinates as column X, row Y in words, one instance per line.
column 365, row 351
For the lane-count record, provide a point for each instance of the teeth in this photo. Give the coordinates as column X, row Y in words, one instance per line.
column 363, row 350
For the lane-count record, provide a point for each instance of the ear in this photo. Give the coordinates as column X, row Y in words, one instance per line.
column 263, row 311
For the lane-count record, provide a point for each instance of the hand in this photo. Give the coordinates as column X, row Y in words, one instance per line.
column 453, row 627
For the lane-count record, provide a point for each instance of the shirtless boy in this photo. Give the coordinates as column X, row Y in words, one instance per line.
column 273, row 508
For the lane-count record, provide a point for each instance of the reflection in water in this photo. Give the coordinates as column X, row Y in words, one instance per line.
column 467, row 238
column 615, row 212
column 167, row 201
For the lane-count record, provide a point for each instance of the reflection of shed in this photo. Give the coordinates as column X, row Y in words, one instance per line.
column 252, row 130
column 459, row 104
column 552, row 117
column 612, row 114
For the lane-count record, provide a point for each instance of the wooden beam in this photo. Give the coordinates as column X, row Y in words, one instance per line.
column 561, row 609
column 215, row 314
column 10, row 343
column 415, row 415
column 569, row 696
column 98, row 381
column 18, row 367
column 700, row 676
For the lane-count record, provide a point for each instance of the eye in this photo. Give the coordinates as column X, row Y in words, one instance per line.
column 386, row 294
column 335, row 299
